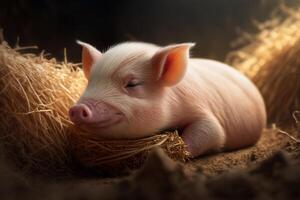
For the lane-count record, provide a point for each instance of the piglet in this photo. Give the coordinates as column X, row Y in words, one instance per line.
column 137, row 89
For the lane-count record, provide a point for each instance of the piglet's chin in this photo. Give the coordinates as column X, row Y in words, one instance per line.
column 102, row 127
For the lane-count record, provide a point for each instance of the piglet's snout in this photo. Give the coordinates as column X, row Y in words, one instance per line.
column 81, row 113
column 93, row 113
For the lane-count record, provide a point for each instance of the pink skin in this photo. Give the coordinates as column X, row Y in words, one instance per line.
column 136, row 90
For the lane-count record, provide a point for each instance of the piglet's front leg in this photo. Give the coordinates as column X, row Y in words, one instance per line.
column 204, row 135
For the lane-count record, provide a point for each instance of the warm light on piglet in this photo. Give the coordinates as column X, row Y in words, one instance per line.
column 137, row 89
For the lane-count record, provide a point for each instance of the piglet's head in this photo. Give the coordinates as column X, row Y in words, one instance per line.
column 128, row 91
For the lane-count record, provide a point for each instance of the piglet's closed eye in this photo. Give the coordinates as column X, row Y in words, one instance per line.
column 90, row 55
column 170, row 63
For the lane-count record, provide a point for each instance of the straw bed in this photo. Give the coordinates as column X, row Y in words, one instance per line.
column 35, row 96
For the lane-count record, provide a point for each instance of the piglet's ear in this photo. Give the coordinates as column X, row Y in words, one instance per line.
column 170, row 63
column 90, row 55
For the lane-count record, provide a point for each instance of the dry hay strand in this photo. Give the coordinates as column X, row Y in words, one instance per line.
column 296, row 116
column 271, row 59
column 36, row 94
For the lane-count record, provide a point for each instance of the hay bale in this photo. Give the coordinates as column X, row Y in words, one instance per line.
column 271, row 59
column 36, row 94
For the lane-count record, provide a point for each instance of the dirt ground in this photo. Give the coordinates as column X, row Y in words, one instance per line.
column 268, row 170
column 270, row 143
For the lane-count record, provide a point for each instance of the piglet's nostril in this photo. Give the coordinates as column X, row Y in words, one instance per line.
column 84, row 113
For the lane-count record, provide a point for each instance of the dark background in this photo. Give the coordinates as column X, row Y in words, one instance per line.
column 55, row 24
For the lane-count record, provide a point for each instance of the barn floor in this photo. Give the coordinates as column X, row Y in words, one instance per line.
column 268, row 170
